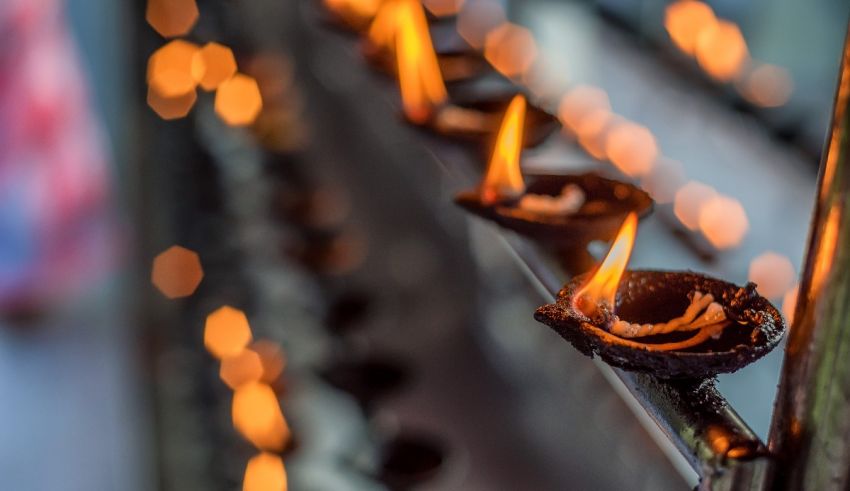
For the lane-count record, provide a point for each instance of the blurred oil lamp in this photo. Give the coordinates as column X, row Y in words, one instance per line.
column 560, row 210
column 426, row 102
column 456, row 60
column 680, row 325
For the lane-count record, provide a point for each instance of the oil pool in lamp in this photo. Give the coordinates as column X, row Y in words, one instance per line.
column 560, row 210
column 457, row 61
column 674, row 325
column 426, row 101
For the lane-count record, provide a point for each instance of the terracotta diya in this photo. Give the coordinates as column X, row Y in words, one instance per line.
column 427, row 103
column 559, row 210
column 674, row 325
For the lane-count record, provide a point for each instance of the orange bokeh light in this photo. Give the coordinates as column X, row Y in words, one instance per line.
column 722, row 51
column 169, row 70
column 768, row 86
column 271, row 358
column 789, row 304
column 503, row 178
column 592, row 131
column 177, row 272
column 238, row 101
column 172, row 18
column 226, row 332
column 169, row 108
column 601, row 287
column 685, row 20
column 265, row 472
column 212, row 65
column 420, row 80
column 689, row 200
column 580, row 102
column 240, row 369
column 773, row 274
column 631, row 148
column 510, row 49
column 257, row 416
column 665, row 179
column 477, row 18
column 723, row 222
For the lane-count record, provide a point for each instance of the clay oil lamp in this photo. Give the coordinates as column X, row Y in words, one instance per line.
column 674, row 325
column 426, row 101
column 558, row 210
column 456, row 59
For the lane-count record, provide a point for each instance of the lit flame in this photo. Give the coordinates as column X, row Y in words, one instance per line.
column 382, row 30
column 419, row 76
column 601, row 288
column 504, row 178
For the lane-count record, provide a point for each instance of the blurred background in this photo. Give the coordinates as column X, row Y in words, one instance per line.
column 227, row 262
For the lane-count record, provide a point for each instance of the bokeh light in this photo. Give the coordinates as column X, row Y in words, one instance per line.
column 212, row 65
column 271, row 358
column 238, row 370
column 510, row 49
column 172, row 18
column 477, row 18
column 265, row 472
column 721, row 50
column 773, row 274
column 226, row 332
column 238, row 101
column 177, row 272
column 685, row 20
column 768, row 86
column 592, row 130
column 688, row 201
column 579, row 102
column 723, row 221
column 631, row 148
column 257, row 416
column 169, row 70
column 169, row 108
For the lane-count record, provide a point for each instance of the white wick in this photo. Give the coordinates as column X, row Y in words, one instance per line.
column 572, row 197
column 703, row 311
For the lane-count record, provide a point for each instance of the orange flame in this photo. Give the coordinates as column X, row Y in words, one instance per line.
column 601, row 288
column 504, row 177
column 420, row 80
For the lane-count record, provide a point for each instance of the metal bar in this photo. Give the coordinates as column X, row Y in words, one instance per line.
column 810, row 435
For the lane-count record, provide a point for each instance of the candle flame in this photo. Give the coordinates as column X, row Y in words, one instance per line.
column 382, row 30
column 504, row 177
column 420, row 80
column 601, row 288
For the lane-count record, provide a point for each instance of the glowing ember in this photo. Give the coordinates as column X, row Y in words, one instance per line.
column 238, row 101
column 685, row 20
column 510, row 49
column 477, row 18
column 212, row 65
column 689, row 201
column 504, row 176
column 265, row 472
column 257, row 416
column 723, row 222
column 722, row 51
column 177, row 272
column 580, row 102
column 632, row 148
column 773, row 273
column 600, row 290
column 420, row 80
column 171, row 18
column 169, row 70
column 240, row 369
column 226, row 332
